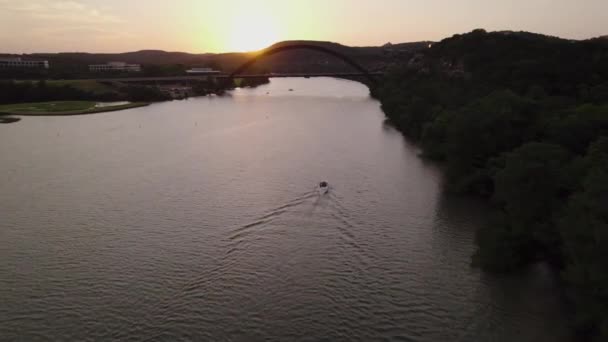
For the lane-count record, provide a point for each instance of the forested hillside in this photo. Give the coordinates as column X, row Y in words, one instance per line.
column 521, row 119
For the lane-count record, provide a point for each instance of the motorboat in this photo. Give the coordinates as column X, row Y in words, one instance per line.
column 323, row 188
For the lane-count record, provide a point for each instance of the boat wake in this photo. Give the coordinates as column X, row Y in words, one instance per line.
column 240, row 232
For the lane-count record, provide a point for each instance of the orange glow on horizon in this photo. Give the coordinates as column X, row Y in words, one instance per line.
column 251, row 30
column 201, row 26
column 248, row 26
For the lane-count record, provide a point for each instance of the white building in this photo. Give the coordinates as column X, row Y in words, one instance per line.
column 17, row 62
column 202, row 71
column 115, row 66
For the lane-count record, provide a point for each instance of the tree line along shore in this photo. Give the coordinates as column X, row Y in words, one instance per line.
column 70, row 97
column 522, row 120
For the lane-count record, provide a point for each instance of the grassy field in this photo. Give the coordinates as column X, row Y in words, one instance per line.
column 62, row 108
column 44, row 107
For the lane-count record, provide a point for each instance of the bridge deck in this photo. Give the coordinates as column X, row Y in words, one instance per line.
column 224, row 76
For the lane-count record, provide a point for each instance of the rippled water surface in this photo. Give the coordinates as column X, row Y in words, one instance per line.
column 200, row 220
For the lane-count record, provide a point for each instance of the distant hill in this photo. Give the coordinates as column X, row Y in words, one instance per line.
column 155, row 57
column 503, row 57
column 372, row 57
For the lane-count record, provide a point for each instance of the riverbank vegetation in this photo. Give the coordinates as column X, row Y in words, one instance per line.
column 521, row 119
column 12, row 91
column 75, row 90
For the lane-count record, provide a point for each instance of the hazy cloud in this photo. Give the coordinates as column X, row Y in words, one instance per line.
column 218, row 25
column 64, row 24
column 64, row 11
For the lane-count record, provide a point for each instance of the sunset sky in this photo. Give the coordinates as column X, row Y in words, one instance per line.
column 241, row 25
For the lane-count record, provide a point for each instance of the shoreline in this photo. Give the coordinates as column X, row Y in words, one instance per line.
column 146, row 93
column 79, row 112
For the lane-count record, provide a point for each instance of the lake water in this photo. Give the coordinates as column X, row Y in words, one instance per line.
column 199, row 220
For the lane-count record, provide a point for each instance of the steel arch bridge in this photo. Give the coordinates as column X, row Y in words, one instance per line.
column 297, row 46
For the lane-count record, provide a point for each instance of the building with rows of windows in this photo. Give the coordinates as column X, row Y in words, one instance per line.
column 17, row 62
column 115, row 66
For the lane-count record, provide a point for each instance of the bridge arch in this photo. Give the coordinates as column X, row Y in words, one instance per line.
column 297, row 46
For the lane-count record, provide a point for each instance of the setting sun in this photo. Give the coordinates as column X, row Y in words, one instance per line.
column 252, row 31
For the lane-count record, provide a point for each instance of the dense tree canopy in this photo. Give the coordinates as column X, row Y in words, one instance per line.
column 584, row 229
column 521, row 119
